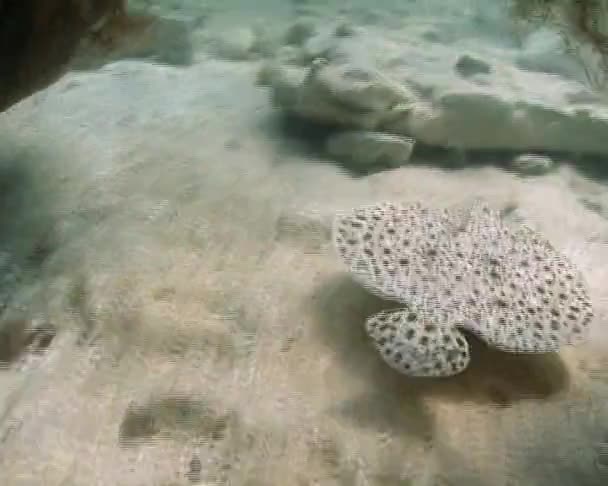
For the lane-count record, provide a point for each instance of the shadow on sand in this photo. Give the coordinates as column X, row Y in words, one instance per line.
column 494, row 378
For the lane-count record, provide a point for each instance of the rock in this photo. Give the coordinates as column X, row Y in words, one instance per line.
column 345, row 29
column 235, row 44
column 468, row 66
column 339, row 94
column 431, row 35
column 480, row 119
column 531, row 164
column 244, row 43
column 300, row 31
column 362, row 148
column 285, row 82
column 367, row 82
column 361, row 88
column 321, row 45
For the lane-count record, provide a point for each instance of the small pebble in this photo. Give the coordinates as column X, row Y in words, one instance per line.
column 362, row 148
column 468, row 66
column 531, row 164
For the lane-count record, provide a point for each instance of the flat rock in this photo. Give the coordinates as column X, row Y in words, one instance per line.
column 406, row 87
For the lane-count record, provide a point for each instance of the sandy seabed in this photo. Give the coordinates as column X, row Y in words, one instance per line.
column 177, row 240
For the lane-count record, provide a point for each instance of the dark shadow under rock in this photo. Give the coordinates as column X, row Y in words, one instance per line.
column 309, row 139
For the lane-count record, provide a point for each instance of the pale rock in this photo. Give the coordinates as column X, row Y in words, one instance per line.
column 479, row 118
column 342, row 94
column 321, row 45
column 439, row 96
column 362, row 148
column 236, row 44
column 285, row 82
column 359, row 87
